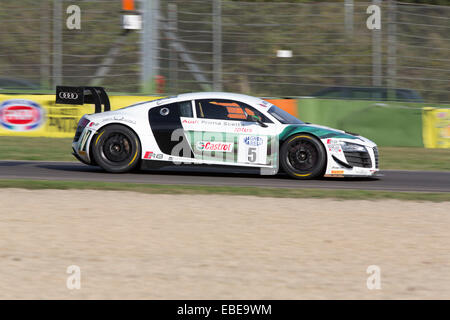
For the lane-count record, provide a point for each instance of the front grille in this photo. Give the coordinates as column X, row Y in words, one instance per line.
column 375, row 151
column 358, row 159
column 81, row 125
column 78, row 134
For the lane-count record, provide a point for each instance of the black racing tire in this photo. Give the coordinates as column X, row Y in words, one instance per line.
column 303, row 156
column 116, row 148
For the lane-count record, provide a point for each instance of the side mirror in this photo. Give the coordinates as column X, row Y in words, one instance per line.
column 253, row 118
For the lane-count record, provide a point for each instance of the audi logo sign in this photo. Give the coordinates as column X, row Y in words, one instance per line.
column 69, row 95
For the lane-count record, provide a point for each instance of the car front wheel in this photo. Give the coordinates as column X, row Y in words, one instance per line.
column 303, row 156
column 116, row 148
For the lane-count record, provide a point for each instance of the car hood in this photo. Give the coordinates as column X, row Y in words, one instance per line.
column 321, row 132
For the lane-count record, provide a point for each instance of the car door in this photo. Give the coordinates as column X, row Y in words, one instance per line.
column 165, row 124
column 222, row 134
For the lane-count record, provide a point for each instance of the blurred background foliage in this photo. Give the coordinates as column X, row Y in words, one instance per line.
column 324, row 52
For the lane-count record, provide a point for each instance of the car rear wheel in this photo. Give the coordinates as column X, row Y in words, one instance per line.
column 303, row 156
column 116, row 148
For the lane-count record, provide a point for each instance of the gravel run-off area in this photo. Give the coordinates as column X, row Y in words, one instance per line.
column 149, row 246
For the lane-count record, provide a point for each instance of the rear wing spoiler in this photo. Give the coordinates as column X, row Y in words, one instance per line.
column 83, row 95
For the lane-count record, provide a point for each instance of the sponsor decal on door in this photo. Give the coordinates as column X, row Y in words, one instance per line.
column 252, row 149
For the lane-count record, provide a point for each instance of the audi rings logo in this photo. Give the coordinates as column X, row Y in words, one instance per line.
column 68, row 95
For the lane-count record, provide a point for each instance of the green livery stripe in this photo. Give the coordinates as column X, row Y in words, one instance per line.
column 322, row 133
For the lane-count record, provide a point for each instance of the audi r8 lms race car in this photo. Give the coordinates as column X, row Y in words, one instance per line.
column 214, row 128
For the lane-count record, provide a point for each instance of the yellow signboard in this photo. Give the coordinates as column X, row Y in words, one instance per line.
column 436, row 128
column 39, row 116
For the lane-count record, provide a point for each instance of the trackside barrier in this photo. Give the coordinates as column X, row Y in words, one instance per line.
column 386, row 123
column 436, row 127
column 39, row 116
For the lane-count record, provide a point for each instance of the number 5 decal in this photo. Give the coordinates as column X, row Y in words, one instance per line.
column 251, row 155
column 252, row 149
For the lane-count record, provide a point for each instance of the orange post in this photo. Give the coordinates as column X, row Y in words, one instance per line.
column 289, row 105
column 128, row 5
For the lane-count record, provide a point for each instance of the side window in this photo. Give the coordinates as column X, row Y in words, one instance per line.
column 172, row 112
column 186, row 109
column 226, row 110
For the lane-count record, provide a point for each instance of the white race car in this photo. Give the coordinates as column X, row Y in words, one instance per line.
column 213, row 128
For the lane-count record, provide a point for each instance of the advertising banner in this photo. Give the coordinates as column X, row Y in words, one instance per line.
column 436, row 128
column 39, row 116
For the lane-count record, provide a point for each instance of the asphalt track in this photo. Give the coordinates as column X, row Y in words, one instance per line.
column 425, row 181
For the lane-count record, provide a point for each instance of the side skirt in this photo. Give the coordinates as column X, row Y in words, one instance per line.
column 169, row 166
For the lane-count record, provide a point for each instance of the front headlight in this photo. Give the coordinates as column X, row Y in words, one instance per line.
column 352, row 147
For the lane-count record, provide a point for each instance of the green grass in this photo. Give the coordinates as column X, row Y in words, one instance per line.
column 248, row 191
column 23, row 148
column 402, row 158
column 56, row 149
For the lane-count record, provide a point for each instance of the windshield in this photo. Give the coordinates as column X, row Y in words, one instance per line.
column 283, row 116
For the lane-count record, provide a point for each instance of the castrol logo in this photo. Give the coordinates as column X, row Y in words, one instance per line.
column 214, row 146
